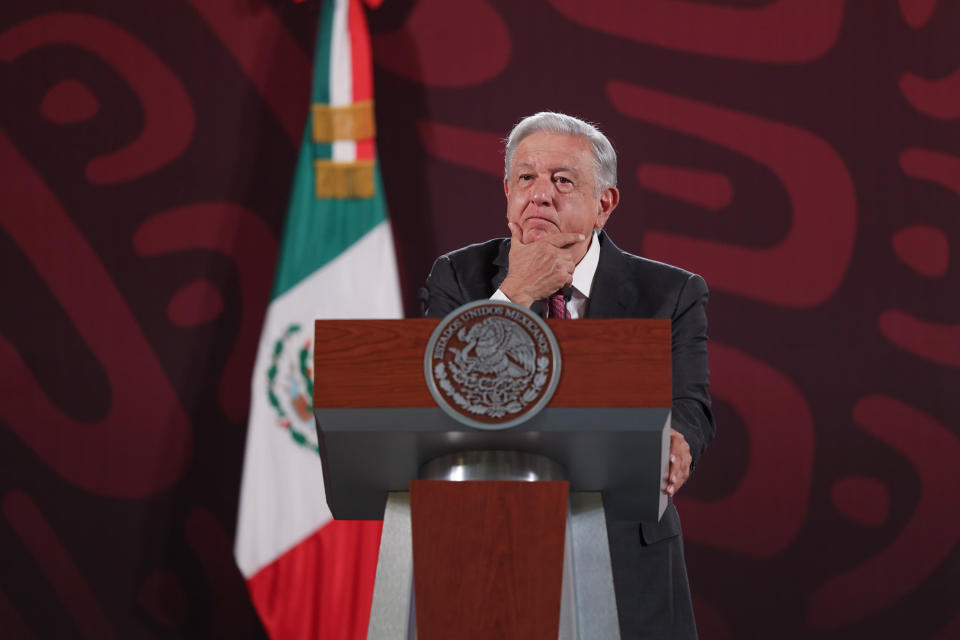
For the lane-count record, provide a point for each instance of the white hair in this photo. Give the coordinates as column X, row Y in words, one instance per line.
column 604, row 157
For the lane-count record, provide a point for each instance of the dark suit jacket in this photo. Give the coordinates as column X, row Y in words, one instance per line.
column 625, row 286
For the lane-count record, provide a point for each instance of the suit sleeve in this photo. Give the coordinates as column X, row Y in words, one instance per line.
column 692, row 415
column 443, row 292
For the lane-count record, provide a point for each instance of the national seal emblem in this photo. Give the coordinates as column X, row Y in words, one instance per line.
column 491, row 364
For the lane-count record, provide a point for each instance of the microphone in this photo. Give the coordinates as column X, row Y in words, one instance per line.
column 424, row 295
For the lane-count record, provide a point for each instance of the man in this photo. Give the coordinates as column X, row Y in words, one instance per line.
column 560, row 183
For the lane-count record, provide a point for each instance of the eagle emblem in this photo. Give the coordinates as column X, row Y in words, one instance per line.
column 492, row 364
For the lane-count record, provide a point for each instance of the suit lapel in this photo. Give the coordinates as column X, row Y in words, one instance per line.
column 501, row 262
column 611, row 296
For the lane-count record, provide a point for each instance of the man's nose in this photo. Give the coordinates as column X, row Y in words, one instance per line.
column 542, row 192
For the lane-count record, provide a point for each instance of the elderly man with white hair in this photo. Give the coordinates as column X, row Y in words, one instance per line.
column 561, row 187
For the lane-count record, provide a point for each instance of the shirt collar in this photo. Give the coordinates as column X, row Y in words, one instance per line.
column 584, row 271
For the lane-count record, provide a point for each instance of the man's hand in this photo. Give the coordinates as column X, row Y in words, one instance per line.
column 540, row 268
column 680, row 460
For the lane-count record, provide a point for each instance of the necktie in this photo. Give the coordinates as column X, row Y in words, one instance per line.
column 558, row 306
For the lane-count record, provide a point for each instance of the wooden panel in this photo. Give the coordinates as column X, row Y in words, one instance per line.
column 371, row 363
column 613, row 363
column 379, row 363
column 488, row 558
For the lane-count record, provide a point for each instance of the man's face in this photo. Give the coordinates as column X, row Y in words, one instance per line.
column 551, row 188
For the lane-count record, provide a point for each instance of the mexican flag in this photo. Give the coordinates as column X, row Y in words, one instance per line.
column 309, row 576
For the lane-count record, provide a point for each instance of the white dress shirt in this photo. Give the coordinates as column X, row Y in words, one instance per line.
column 582, row 281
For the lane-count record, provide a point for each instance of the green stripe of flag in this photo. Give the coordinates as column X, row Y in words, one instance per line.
column 320, row 91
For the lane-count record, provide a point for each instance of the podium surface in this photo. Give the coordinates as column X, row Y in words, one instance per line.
column 606, row 424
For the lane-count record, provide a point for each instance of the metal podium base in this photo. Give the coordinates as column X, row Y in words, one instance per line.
column 588, row 606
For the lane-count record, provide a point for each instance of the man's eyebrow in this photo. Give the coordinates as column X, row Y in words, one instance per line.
column 528, row 165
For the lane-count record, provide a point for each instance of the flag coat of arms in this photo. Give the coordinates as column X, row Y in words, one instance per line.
column 310, row 576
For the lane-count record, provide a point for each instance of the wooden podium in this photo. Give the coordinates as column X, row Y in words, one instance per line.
column 493, row 533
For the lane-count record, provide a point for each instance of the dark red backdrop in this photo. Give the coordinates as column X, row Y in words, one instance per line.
column 803, row 155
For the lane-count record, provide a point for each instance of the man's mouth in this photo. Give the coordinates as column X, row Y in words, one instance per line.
column 540, row 220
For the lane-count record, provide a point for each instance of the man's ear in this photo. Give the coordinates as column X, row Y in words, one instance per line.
column 506, row 187
column 609, row 199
